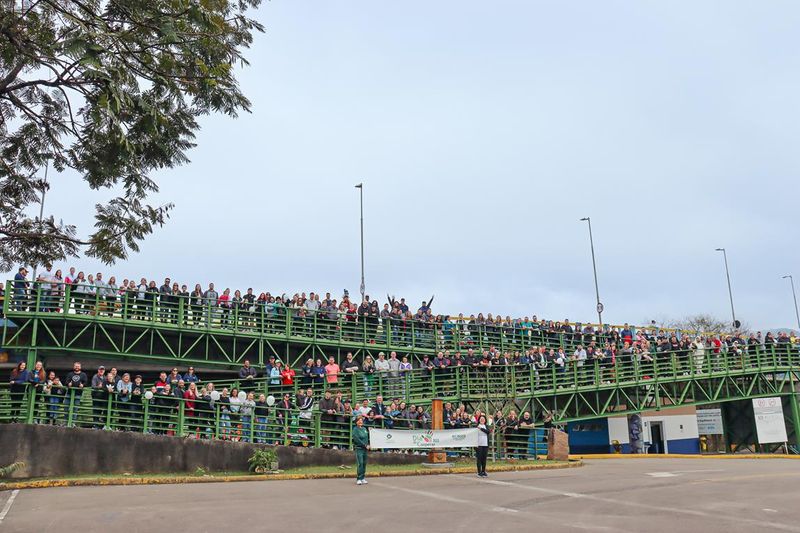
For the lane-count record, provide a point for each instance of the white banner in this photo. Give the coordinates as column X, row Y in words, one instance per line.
column 709, row 421
column 423, row 438
column 770, row 426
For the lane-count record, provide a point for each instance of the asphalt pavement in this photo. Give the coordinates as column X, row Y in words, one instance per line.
column 617, row 495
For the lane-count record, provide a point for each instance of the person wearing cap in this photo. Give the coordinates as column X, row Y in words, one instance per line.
column 361, row 447
column 99, row 397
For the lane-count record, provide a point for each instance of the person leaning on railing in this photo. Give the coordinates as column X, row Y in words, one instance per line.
column 55, row 392
column 20, row 377
column 328, row 411
column 20, row 288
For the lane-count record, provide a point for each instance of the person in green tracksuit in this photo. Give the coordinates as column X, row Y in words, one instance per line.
column 361, row 445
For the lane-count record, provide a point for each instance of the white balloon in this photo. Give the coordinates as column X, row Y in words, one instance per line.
column 148, row 395
column 270, row 400
column 242, row 395
column 215, row 395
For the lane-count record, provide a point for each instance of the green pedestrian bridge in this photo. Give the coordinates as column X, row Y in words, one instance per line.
column 60, row 328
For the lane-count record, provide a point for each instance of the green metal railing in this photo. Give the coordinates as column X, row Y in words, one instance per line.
column 459, row 383
column 244, row 421
column 280, row 322
column 109, row 326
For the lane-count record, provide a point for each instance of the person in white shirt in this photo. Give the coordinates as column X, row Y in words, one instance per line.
column 46, row 280
column 363, row 409
column 382, row 365
column 580, row 355
column 482, row 451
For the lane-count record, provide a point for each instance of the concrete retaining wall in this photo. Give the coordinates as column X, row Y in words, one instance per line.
column 50, row 451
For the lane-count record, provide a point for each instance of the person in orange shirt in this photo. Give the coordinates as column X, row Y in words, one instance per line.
column 332, row 371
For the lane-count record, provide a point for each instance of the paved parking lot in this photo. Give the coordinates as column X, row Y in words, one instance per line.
column 606, row 495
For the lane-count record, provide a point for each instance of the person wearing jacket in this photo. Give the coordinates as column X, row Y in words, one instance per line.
column 20, row 377
column 361, row 447
column 327, row 409
column 483, row 446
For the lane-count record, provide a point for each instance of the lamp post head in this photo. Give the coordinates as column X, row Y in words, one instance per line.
column 787, row 276
column 720, row 249
column 359, row 186
column 584, row 219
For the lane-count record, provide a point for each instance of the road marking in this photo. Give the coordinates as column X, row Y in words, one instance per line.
column 9, row 503
column 677, row 510
column 427, row 494
column 770, row 510
column 504, row 510
column 473, row 504
column 675, row 473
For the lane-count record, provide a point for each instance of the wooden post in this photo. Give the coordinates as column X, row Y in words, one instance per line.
column 437, row 422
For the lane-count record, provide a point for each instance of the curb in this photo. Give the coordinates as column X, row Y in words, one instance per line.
column 179, row 480
column 684, row 456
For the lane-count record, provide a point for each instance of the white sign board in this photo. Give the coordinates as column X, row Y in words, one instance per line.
column 423, row 438
column 709, row 422
column 770, row 425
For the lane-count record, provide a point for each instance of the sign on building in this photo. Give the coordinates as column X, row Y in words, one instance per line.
column 709, row 422
column 770, row 425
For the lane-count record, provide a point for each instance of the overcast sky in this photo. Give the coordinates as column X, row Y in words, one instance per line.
column 483, row 132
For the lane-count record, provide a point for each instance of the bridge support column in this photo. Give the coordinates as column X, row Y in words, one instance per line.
column 31, row 358
column 795, row 413
column 437, row 422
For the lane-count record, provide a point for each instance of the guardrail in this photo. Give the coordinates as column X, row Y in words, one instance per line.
column 249, row 418
column 485, row 381
column 284, row 322
column 454, row 383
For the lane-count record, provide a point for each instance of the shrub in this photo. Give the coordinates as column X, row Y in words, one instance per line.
column 263, row 460
column 10, row 469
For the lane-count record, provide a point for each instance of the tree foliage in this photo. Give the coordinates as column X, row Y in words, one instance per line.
column 705, row 323
column 111, row 89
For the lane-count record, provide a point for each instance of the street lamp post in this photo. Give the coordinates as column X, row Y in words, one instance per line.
column 360, row 188
column 730, row 291
column 794, row 295
column 594, row 268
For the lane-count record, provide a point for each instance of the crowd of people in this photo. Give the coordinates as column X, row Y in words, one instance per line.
column 122, row 401
column 239, row 411
column 53, row 291
column 560, row 346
